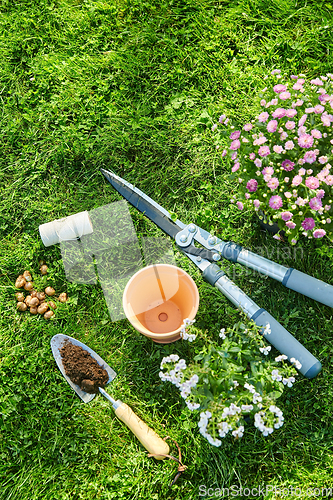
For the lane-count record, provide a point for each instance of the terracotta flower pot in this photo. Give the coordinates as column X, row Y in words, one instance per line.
column 157, row 299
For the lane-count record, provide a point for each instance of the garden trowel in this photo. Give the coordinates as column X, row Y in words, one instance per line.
column 150, row 440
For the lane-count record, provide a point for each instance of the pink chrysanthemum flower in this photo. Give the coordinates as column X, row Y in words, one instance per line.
column 235, row 135
column 305, row 141
column 289, row 145
column 300, row 202
column 272, row 126
column 290, row 113
column 275, row 202
column 329, row 180
column 296, row 180
column 261, row 140
column 316, row 133
column 290, row 224
column 234, row 156
column 263, row 117
column 283, row 136
column 308, row 224
column 316, row 81
column 279, row 113
column 302, row 171
column 288, row 165
column 280, row 88
column 290, row 125
column 312, row 183
column 323, row 159
column 324, row 98
column 264, row 151
column 320, row 193
column 315, row 203
column 224, row 152
column 325, row 120
column 285, row 95
column 319, row 233
column 277, row 149
column 256, row 203
column 235, row 167
column 301, row 131
column 268, row 171
column 273, row 183
column 235, row 144
column 286, row 216
column 319, row 109
column 299, row 102
column 252, row 156
column 257, row 163
column 287, row 194
column 247, row 127
column 310, row 156
column 252, row 185
column 301, row 81
column 240, row 205
column 302, row 120
column 222, row 118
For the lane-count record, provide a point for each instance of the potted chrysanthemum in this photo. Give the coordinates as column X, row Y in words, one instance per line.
column 281, row 158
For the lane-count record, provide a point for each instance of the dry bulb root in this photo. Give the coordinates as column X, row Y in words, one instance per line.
column 35, row 302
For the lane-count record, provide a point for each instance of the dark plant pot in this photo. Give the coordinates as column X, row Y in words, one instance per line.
column 270, row 227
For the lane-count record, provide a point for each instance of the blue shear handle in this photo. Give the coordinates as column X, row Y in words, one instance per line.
column 280, row 338
column 309, row 286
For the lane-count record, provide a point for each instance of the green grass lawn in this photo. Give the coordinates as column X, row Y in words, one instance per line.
column 124, row 85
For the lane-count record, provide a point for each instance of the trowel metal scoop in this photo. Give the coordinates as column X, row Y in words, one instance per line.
column 150, row 440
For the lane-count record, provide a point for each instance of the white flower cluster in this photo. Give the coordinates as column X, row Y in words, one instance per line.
column 288, row 381
column 276, row 375
column 267, row 329
column 173, row 358
column 256, row 398
column 238, row 433
column 192, row 406
column 265, row 350
column 296, row 363
column 203, row 423
column 187, row 386
column 261, row 419
column 175, row 375
column 282, row 357
column 222, row 334
column 225, row 426
column 187, row 336
column 235, row 384
column 230, row 410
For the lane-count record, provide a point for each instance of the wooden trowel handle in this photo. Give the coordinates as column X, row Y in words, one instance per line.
column 150, row 440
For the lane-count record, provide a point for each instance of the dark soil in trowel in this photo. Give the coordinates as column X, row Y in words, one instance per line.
column 82, row 368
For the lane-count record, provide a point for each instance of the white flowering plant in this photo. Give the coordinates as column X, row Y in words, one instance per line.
column 234, row 382
column 281, row 158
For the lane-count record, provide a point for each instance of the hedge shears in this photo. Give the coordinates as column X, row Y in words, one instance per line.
column 206, row 260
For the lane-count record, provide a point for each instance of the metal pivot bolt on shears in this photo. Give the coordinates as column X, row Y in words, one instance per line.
column 205, row 259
